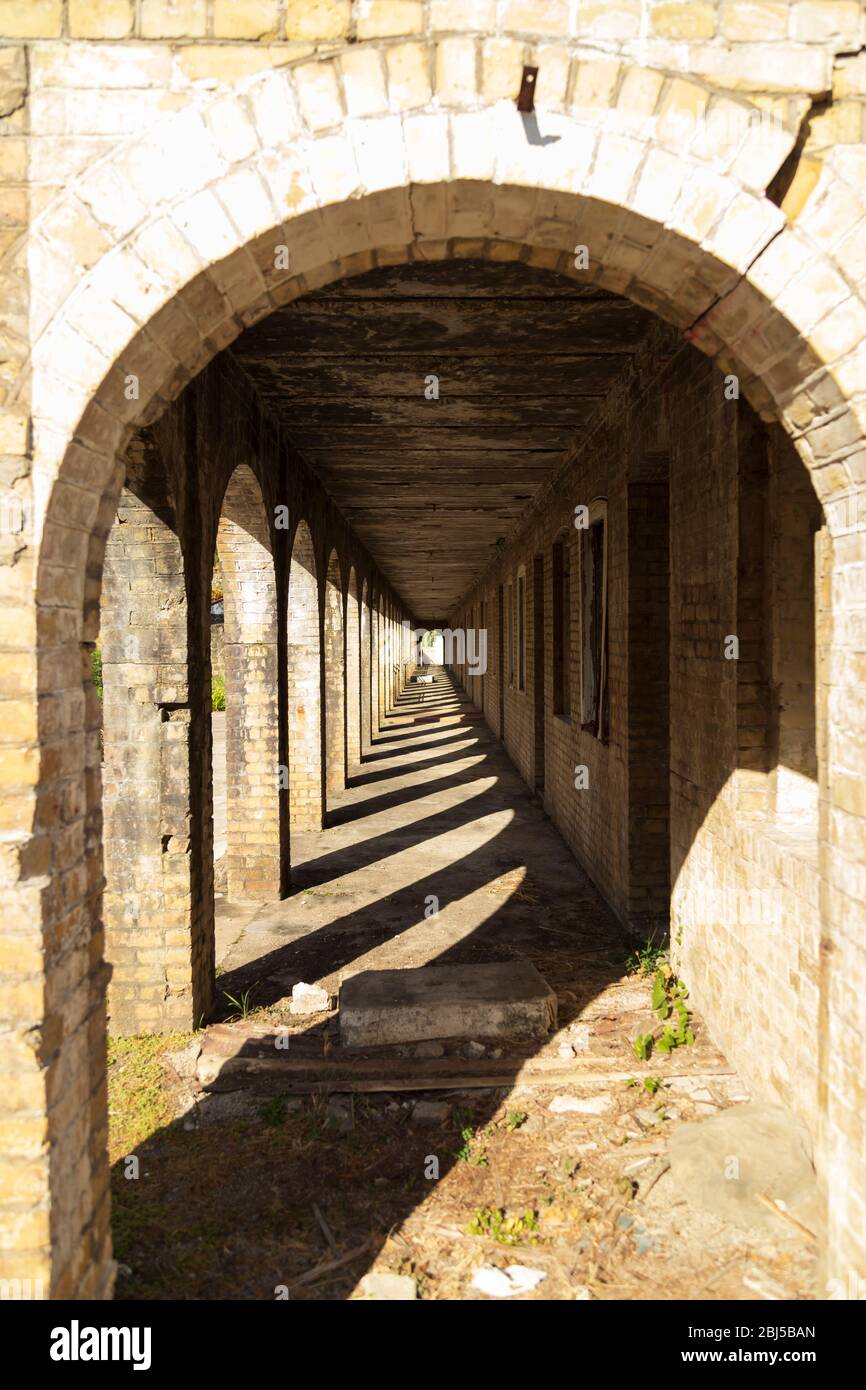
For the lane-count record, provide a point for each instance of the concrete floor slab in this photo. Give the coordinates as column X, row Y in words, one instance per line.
column 436, row 853
column 504, row 999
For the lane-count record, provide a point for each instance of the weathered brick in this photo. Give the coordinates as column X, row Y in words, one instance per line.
column 246, row 19
column 409, row 78
column 101, row 19
column 456, row 71
column 381, row 19
column 173, row 19
column 35, row 19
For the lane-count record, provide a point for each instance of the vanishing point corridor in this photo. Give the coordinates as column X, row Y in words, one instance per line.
column 435, row 816
column 432, row 652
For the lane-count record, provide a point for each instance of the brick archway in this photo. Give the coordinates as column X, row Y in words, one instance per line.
column 685, row 232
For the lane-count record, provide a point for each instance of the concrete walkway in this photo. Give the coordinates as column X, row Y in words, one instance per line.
column 437, row 852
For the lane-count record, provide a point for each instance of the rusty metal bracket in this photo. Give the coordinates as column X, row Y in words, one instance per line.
column 526, row 95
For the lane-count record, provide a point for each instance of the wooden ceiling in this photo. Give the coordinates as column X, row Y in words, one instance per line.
column 523, row 358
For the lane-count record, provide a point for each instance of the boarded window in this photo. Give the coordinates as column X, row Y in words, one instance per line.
column 562, row 629
column 594, row 625
column 521, row 632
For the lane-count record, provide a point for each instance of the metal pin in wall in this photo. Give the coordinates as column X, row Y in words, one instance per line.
column 526, row 95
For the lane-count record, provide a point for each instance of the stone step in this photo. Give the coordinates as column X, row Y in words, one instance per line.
column 500, row 1000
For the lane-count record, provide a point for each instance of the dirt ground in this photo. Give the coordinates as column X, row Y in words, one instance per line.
column 251, row 1187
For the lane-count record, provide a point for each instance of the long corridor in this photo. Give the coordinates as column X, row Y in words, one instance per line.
column 436, row 852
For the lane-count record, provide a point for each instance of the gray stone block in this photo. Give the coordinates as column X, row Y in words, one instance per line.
column 503, row 999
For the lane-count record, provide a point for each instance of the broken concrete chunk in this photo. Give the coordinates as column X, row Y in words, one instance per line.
column 647, row 1118
column 184, row 1060
column 340, row 1114
column 579, row 1035
column 502, row 999
column 431, row 1112
column 429, row 1049
column 227, row 1108
column 581, row 1105
column 310, row 999
column 474, row 1049
column 388, row 1288
column 505, row 1283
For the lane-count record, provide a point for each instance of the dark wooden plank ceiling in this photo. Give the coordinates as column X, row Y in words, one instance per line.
column 523, row 358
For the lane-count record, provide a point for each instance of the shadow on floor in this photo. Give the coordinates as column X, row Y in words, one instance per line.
column 463, row 867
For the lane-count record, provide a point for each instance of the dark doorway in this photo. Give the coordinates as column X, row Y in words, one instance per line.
column 538, row 667
column 500, row 657
column 649, row 699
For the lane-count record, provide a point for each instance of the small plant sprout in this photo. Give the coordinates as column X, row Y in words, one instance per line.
column 508, row 1228
column 242, row 1005
column 472, row 1150
column 651, row 1084
column 668, row 1000
column 645, row 959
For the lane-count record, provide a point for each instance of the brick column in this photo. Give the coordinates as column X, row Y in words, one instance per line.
column 353, row 677
column 375, row 676
column 392, row 659
column 306, row 788
column 157, row 835
column 842, row 850
column 334, row 682
column 253, row 856
column 383, row 662
column 366, row 664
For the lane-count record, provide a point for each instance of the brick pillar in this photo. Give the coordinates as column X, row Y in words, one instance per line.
column 353, row 677
column 841, row 564
column 334, row 681
column 254, row 854
column 375, row 627
column 366, row 664
column 388, row 662
column 157, row 834
column 392, row 683
column 54, row 1175
column 381, row 663
column 385, row 661
column 306, row 788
